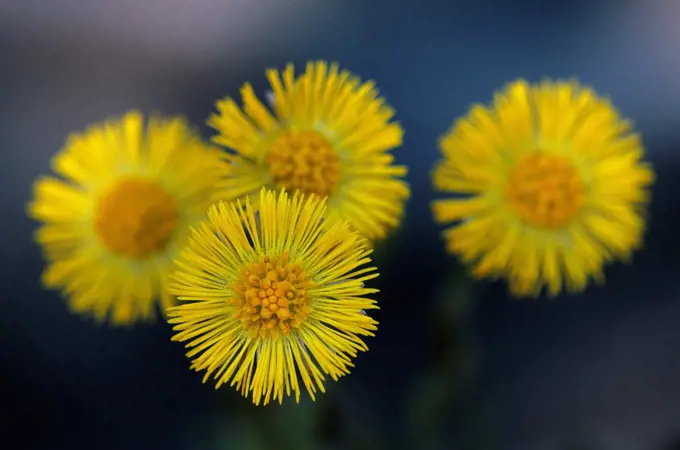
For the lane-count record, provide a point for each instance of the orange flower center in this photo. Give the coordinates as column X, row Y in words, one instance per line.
column 271, row 297
column 305, row 161
column 545, row 190
column 135, row 218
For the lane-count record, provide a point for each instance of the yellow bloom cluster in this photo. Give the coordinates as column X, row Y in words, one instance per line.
column 256, row 248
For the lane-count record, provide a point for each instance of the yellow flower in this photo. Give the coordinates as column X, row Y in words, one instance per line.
column 120, row 212
column 550, row 187
column 271, row 297
column 330, row 135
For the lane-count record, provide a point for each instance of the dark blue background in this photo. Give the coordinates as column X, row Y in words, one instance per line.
column 598, row 370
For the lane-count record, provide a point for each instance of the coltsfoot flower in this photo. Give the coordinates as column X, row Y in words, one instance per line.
column 120, row 212
column 550, row 187
column 272, row 301
column 329, row 135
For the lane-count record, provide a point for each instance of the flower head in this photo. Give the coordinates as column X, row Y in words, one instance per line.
column 550, row 187
column 274, row 299
column 120, row 211
column 329, row 135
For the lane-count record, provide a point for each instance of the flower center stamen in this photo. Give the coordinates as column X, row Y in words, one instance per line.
column 545, row 190
column 305, row 161
column 271, row 297
column 135, row 218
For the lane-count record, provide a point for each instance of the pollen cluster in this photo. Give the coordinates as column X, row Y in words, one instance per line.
column 271, row 296
column 135, row 218
column 305, row 161
column 545, row 190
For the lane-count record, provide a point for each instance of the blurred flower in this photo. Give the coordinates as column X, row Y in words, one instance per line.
column 330, row 135
column 121, row 212
column 273, row 296
column 552, row 187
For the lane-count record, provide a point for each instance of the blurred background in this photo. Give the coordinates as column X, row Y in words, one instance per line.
column 454, row 365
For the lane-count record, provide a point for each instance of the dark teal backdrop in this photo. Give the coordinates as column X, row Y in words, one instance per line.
column 453, row 366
